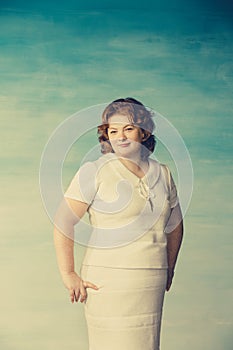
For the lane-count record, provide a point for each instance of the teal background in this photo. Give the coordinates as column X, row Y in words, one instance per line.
column 58, row 57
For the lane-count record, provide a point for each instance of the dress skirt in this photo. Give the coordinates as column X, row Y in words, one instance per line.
column 125, row 312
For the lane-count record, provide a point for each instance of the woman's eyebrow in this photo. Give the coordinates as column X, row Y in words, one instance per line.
column 125, row 126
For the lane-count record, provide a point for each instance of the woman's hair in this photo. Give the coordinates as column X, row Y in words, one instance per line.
column 138, row 116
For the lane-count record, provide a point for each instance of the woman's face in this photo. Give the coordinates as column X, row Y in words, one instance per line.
column 125, row 138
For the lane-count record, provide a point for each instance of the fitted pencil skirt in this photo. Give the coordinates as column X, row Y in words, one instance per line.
column 125, row 312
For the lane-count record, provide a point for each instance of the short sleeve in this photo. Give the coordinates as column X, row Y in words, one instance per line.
column 171, row 187
column 83, row 186
column 174, row 219
column 174, row 200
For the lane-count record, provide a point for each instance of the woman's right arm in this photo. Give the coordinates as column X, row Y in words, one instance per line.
column 68, row 214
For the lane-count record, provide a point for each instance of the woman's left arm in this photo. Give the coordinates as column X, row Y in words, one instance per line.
column 174, row 240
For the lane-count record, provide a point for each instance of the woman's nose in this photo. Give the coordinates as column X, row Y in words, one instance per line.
column 122, row 135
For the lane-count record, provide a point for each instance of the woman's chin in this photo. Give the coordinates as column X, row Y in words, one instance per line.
column 126, row 153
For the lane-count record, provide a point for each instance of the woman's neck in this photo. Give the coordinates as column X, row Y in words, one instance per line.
column 137, row 166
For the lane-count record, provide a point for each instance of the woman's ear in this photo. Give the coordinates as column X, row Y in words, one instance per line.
column 145, row 135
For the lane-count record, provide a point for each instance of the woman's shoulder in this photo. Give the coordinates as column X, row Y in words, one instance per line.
column 94, row 165
column 159, row 171
column 157, row 164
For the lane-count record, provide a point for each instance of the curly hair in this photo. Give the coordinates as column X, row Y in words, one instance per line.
column 138, row 116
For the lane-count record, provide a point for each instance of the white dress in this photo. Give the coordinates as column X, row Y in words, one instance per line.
column 126, row 256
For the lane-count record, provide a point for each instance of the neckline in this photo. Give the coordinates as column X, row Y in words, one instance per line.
column 124, row 167
column 152, row 175
column 131, row 172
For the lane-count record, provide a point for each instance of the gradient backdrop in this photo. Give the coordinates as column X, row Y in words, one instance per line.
column 59, row 57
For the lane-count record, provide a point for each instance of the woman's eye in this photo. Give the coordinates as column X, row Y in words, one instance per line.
column 129, row 128
column 112, row 131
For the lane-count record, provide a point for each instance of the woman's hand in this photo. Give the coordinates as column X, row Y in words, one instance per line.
column 170, row 274
column 76, row 286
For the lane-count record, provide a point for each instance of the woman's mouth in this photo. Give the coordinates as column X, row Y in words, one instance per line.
column 126, row 144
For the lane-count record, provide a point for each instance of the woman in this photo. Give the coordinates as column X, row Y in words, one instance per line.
column 137, row 225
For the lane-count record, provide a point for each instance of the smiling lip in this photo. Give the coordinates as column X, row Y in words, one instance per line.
column 124, row 144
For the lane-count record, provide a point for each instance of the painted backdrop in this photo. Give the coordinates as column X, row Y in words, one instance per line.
column 59, row 57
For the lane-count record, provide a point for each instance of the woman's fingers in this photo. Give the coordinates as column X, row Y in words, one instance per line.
column 83, row 292
column 74, row 295
column 83, row 286
column 88, row 284
column 80, row 292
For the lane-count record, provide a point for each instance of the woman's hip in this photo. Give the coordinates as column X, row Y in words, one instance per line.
column 125, row 293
